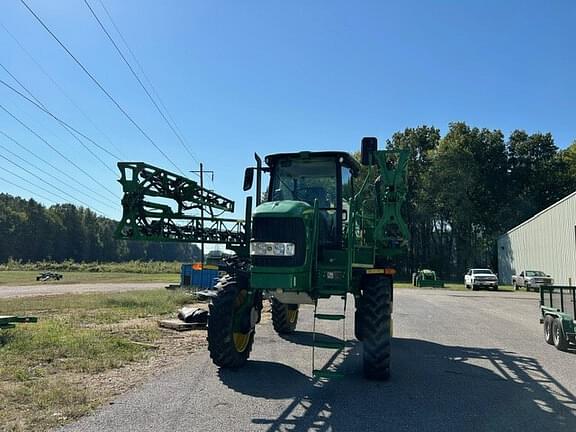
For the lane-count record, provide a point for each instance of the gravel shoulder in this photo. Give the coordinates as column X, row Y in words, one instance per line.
column 7, row 291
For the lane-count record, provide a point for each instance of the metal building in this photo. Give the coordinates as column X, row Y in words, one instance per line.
column 546, row 241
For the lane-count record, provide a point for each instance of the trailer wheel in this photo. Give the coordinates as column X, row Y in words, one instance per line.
column 560, row 341
column 548, row 322
column 376, row 326
column 284, row 317
column 231, row 329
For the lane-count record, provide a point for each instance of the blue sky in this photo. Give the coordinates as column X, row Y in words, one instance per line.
column 269, row 76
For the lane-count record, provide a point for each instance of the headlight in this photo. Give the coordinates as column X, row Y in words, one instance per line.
column 272, row 249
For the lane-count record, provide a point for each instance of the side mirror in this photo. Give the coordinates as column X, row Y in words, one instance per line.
column 369, row 147
column 248, row 178
column 344, row 215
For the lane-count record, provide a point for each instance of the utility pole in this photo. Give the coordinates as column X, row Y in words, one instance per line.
column 201, row 172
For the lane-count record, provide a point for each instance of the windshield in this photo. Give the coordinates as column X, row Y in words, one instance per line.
column 482, row 271
column 534, row 273
column 305, row 180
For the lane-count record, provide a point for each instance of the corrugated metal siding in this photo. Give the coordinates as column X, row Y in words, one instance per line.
column 545, row 242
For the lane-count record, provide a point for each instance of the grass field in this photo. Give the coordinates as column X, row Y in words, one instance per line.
column 52, row 372
column 147, row 267
column 29, row 277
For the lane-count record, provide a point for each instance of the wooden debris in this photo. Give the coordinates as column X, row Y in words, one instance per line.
column 178, row 325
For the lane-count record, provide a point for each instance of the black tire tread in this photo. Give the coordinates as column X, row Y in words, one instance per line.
column 280, row 317
column 548, row 321
column 220, row 342
column 562, row 343
column 376, row 327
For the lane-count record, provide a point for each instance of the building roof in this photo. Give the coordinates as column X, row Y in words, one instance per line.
column 566, row 198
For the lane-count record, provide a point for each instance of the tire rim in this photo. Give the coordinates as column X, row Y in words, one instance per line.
column 241, row 341
column 557, row 334
column 547, row 331
column 292, row 316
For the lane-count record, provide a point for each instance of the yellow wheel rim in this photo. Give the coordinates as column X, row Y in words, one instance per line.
column 241, row 341
column 292, row 315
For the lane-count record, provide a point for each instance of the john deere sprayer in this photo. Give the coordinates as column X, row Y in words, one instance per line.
column 323, row 227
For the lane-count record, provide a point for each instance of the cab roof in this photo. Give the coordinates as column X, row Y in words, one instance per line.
column 347, row 159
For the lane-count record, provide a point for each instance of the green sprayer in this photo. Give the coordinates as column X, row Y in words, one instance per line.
column 327, row 225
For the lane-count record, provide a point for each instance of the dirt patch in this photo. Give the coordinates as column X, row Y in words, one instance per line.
column 172, row 349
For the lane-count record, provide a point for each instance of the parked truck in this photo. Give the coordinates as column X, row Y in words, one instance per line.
column 477, row 278
column 531, row 280
column 329, row 226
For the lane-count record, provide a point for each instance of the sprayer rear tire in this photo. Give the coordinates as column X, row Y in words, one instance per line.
column 284, row 317
column 227, row 349
column 376, row 326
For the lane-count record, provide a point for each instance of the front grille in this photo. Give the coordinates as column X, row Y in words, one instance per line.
column 268, row 229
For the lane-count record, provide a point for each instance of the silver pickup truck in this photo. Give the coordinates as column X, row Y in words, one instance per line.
column 531, row 280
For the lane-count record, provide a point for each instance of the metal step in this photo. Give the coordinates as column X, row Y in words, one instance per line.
column 320, row 341
column 323, row 373
column 329, row 317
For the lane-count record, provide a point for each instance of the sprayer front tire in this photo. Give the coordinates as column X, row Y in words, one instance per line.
column 229, row 347
column 284, row 317
column 376, row 326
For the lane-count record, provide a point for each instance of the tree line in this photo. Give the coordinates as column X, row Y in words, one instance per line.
column 464, row 190
column 30, row 231
column 471, row 185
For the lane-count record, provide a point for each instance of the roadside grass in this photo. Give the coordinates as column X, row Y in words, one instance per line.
column 45, row 368
column 14, row 278
column 93, row 267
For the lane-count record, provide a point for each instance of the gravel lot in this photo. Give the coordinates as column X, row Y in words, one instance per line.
column 56, row 289
column 462, row 361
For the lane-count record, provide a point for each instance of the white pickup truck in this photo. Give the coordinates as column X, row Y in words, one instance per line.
column 531, row 279
column 480, row 278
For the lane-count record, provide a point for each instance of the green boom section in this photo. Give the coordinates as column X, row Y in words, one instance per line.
column 391, row 232
column 185, row 214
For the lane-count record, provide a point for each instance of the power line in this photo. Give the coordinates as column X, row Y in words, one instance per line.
column 20, row 84
column 43, row 107
column 56, row 169
column 119, row 51
column 71, row 186
column 27, row 190
column 59, row 120
column 56, row 150
column 101, row 87
column 162, row 104
column 44, row 181
column 60, row 89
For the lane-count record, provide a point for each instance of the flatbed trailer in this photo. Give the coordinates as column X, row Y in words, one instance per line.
column 9, row 321
column 558, row 310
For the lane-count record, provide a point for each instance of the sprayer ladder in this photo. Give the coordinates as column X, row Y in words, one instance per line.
column 321, row 341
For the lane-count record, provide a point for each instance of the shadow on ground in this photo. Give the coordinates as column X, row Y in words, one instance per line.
column 433, row 388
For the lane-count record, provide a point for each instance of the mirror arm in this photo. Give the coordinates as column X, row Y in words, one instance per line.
column 258, row 179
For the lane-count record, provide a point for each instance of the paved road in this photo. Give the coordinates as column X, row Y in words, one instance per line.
column 462, row 361
column 55, row 289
